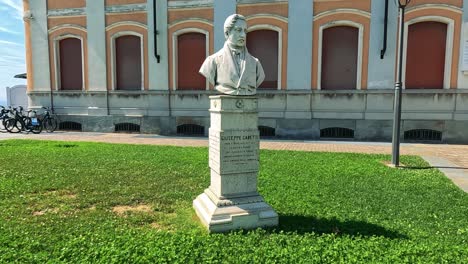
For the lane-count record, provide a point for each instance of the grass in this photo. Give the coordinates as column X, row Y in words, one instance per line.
column 60, row 202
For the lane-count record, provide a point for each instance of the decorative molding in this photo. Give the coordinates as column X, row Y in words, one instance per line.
column 66, row 12
column 126, row 8
column 109, row 10
column 62, row 26
column 434, row 6
column 125, row 23
column 360, row 27
column 190, row 4
column 241, row 2
column 280, row 46
column 448, row 45
column 262, row 15
column 194, row 19
column 175, row 35
column 342, row 11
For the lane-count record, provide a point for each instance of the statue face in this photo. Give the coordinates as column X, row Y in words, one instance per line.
column 238, row 35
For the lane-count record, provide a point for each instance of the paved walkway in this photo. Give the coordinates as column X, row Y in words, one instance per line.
column 450, row 159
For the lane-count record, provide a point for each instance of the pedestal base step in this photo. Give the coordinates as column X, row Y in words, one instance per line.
column 232, row 217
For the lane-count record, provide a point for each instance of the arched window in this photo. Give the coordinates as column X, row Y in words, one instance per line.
column 425, row 60
column 128, row 69
column 191, row 52
column 263, row 44
column 70, row 64
column 339, row 58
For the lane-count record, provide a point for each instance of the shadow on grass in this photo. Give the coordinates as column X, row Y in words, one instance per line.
column 431, row 167
column 308, row 224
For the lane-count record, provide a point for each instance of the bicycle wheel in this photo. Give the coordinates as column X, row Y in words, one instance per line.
column 27, row 124
column 11, row 125
column 36, row 128
column 50, row 124
column 2, row 125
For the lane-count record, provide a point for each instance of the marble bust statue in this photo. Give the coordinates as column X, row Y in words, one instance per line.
column 232, row 70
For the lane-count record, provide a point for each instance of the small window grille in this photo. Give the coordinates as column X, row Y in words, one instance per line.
column 423, row 135
column 127, row 128
column 266, row 131
column 70, row 126
column 337, row 132
column 191, row 130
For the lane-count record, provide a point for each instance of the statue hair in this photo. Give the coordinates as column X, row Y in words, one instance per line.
column 230, row 21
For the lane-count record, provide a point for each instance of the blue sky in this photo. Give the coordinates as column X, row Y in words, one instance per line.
column 12, row 52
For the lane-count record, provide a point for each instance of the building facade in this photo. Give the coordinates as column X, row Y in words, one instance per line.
column 113, row 65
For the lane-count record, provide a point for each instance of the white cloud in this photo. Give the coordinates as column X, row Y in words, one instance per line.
column 6, row 42
column 16, row 5
column 6, row 30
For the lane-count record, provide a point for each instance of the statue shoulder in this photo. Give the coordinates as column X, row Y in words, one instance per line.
column 215, row 58
column 219, row 54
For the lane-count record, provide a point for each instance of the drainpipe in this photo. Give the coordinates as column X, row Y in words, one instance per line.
column 384, row 49
column 52, row 100
column 107, row 101
column 158, row 58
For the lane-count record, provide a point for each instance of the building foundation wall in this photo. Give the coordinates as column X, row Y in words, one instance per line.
column 294, row 115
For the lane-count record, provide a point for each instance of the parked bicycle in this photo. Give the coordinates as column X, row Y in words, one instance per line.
column 20, row 122
column 49, row 120
column 3, row 116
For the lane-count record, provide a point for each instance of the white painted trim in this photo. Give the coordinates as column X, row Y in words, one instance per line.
column 257, row 2
column 129, row 8
column 280, row 45
column 191, row 3
column 66, row 12
column 193, row 19
column 261, row 15
column 448, row 45
column 62, row 26
column 342, row 11
column 125, row 23
column 434, row 6
column 113, row 59
column 57, row 60
column 360, row 27
column 175, row 35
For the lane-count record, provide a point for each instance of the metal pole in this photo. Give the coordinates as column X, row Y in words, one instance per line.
column 397, row 98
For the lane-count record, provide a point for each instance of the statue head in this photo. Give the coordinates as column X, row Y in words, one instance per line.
column 235, row 31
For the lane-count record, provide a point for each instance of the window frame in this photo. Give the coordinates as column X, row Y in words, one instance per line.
column 113, row 38
column 175, row 53
column 359, row 65
column 280, row 47
column 448, row 45
column 58, row 81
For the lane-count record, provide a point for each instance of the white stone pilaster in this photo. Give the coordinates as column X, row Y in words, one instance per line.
column 381, row 72
column 158, row 72
column 96, row 28
column 39, row 46
column 300, row 24
column 222, row 9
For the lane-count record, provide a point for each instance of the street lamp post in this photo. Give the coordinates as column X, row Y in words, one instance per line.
column 398, row 87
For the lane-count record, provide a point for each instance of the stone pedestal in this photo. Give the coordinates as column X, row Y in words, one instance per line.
column 232, row 201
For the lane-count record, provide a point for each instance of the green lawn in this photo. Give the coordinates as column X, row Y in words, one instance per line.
column 58, row 202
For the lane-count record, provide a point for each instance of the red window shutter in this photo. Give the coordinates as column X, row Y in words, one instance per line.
column 339, row 58
column 263, row 44
column 71, row 64
column 425, row 59
column 191, row 52
column 128, row 63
